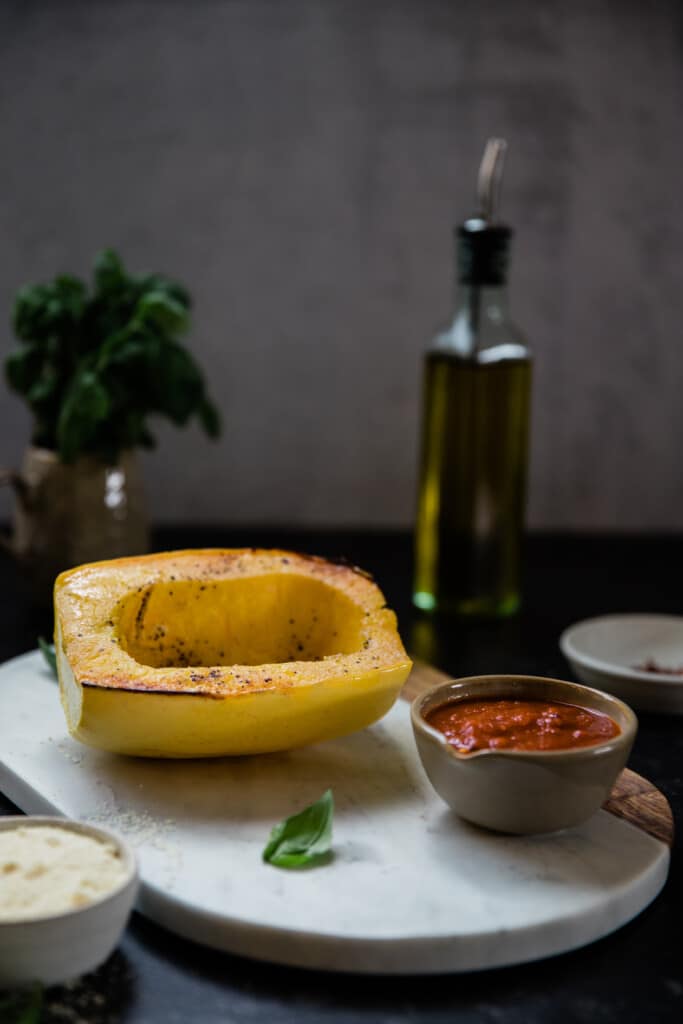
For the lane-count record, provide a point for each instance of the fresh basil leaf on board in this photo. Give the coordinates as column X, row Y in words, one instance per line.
column 48, row 652
column 304, row 839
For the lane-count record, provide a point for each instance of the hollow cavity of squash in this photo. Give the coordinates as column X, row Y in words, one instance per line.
column 253, row 620
column 205, row 653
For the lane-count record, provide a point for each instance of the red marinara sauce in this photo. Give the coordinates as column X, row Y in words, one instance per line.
column 510, row 724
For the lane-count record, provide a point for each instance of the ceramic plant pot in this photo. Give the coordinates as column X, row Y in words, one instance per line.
column 69, row 514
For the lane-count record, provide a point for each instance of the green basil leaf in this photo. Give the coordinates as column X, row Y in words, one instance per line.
column 48, row 652
column 43, row 310
column 70, row 295
column 44, row 387
column 110, row 274
column 162, row 311
column 124, row 349
column 177, row 387
column 86, row 405
column 159, row 283
column 305, row 838
column 30, row 320
column 23, row 367
column 22, row 1007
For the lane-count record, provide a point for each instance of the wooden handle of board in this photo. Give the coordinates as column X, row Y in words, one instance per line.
column 633, row 798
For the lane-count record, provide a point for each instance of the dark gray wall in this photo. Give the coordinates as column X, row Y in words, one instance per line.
column 300, row 163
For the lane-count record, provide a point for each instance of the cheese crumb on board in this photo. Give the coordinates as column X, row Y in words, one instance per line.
column 45, row 869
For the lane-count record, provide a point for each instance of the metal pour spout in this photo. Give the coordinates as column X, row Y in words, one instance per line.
column 490, row 179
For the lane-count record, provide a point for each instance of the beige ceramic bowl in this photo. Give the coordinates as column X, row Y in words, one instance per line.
column 60, row 947
column 521, row 791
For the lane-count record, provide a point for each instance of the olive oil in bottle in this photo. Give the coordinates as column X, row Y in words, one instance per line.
column 476, row 398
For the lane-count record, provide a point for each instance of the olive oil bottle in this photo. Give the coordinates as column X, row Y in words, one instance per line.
column 477, row 385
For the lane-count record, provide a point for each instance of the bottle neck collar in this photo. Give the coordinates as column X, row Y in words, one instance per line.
column 477, row 301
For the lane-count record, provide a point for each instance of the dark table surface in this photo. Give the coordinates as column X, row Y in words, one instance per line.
column 635, row 975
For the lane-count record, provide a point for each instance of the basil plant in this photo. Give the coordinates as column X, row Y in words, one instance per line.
column 95, row 363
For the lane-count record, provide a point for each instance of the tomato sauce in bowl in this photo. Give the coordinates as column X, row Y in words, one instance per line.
column 514, row 724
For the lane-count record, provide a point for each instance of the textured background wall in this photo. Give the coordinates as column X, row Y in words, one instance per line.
column 300, row 164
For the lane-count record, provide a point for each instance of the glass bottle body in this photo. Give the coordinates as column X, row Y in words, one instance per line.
column 477, row 386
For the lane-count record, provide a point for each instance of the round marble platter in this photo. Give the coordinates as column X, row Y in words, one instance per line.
column 410, row 888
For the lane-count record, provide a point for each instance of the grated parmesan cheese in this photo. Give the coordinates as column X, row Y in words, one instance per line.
column 48, row 870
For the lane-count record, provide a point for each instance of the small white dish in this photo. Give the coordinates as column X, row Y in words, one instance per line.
column 606, row 653
column 59, row 947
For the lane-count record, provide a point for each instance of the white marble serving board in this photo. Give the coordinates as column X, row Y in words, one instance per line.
column 410, row 889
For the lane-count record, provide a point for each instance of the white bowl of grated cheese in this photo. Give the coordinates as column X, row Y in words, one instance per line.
column 66, row 892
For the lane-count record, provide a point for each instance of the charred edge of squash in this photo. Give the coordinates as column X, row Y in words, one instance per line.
column 334, row 561
column 211, row 695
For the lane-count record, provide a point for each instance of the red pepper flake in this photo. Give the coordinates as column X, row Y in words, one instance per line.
column 653, row 666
